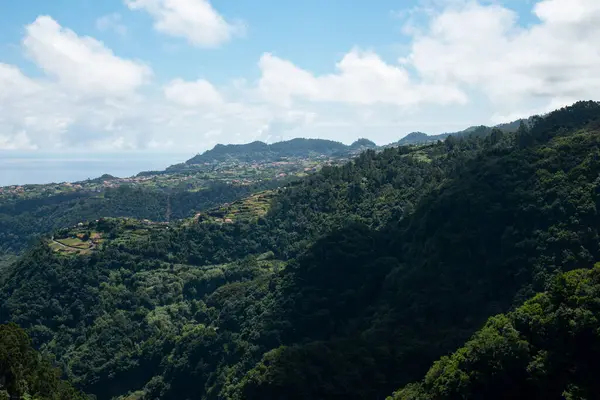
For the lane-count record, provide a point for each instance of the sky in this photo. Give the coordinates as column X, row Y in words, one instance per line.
column 184, row 75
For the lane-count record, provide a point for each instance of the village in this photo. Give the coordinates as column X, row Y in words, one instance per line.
column 190, row 177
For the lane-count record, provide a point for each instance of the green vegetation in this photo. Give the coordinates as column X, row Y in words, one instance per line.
column 348, row 283
column 6, row 261
column 24, row 374
column 261, row 152
column 546, row 349
column 23, row 220
column 249, row 208
column 416, row 138
column 28, row 211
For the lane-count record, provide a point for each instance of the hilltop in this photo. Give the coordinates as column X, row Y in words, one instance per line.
column 478, row 131
column 262, row 152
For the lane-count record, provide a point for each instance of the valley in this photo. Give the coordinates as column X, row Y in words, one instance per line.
column 433, row 271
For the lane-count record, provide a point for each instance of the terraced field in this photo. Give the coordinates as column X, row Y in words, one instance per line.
column 76, row 243
column 88, row 237
column 249, row 208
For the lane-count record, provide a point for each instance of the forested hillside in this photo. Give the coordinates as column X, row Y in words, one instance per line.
column 22, row 220
column 478, row 131
column 348, row 283
column 28, row 211
column 259, row 151
column 546, row 349
column 26, row 375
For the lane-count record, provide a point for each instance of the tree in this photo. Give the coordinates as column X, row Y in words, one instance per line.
column 450, row 143
column 496, row 136
column 523, row 136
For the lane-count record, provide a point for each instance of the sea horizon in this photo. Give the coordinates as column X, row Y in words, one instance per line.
column 29, row 168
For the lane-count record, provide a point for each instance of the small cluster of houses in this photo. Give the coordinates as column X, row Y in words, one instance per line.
column 12, row 190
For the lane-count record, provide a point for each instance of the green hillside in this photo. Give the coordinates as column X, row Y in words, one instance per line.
column 24, row 374
column 28, row 211
column 348, row 283
column 22, row 220
column 546, row 349
column 259, row 151
column 478, row 131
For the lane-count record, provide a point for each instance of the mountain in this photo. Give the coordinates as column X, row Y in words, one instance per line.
column 418, row 137
column 32, row 210
column 181, row 292
column 421, row 138
column 261, row 152
column 479, row 131
column 362, row 145
column 346, row 283
column 178, row 192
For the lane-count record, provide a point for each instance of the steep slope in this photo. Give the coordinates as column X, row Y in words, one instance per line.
column 24, row 374
column 489, row 237
column 354, row 281
column 549, row 348
column 21, row 221
column 152, row 287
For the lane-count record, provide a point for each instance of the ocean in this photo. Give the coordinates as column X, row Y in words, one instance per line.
column 18, row 168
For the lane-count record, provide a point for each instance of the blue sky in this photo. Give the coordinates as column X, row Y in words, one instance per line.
column 180, row 74
column 315, row 34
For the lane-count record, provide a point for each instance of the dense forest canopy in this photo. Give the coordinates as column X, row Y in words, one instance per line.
column 546, row 349
column 25, row 374
column 349, row 283
column 481, row 131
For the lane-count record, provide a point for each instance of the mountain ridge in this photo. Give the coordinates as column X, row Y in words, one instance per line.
column 476, row 130
column 259, row 151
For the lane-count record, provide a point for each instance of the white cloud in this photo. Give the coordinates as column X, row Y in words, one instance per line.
column 81, row 64
column 26, row 105
column 19, row 141
column 192, row 94
column 195, row 20
column 86, row 94
column 484, row 49
column 14, row 84
column 111, row 22
column 567, row 11
column 469, row 63
column 362, row 78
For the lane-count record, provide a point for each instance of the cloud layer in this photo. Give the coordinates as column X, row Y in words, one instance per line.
column 81, row 64
column 484, row 48
column 458, row 56
column 195, row 20
column 362, row 78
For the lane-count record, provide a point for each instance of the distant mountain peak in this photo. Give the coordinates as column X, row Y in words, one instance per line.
column 363, row 144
